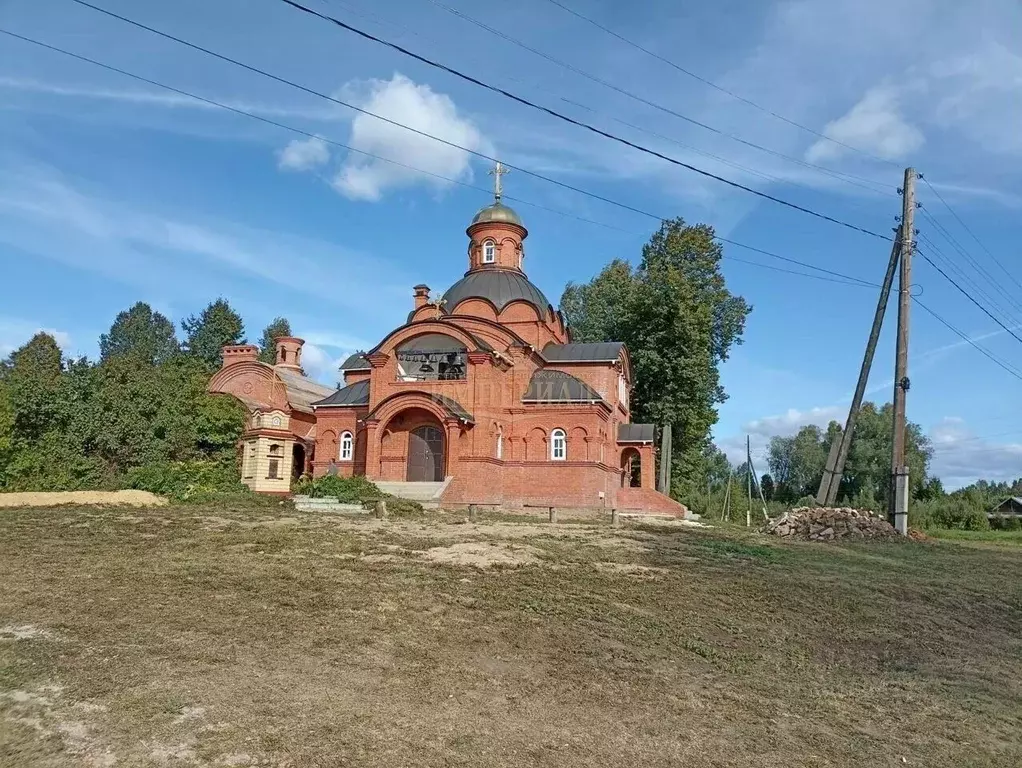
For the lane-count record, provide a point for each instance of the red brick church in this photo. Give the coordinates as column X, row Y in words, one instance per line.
column 480, row 397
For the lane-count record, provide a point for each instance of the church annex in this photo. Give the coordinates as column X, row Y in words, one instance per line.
column 481, row 394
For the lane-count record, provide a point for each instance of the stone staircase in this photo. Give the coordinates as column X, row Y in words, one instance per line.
column 427, row 494
column 646, row 501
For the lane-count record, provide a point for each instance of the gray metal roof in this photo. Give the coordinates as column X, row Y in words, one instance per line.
column 558, row 387
column 351, row 395
column 497, row 212
column 356, row 362
column 635, row 433
column 452, row 406
column 498, row 286
column 302, row 392
column 604, row 351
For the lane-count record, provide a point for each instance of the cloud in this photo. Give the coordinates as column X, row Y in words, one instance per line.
column 304, row 155
column 419, row 107
column 14, row 332
column 324, row 351
column 875, row 125
column 961, row 457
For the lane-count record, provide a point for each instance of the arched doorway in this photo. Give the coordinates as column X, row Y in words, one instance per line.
column 425, row 454
column 297, row 461
column 631, row 465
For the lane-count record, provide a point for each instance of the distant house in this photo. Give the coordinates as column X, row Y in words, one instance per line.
column 1010, row 507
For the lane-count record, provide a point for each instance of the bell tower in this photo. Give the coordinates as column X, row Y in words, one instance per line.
column 496, row 234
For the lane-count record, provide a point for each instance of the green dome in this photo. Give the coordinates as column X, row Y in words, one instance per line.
column 498, row 212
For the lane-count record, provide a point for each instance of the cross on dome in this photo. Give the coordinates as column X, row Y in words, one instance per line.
column 498, row 170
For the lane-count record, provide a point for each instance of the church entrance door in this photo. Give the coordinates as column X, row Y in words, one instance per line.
column 426, row 455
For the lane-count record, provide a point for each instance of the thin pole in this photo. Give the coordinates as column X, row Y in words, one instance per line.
column 748, row 477
column 899, row 469
column 759, row 486
column 835, row 469
column 725, row 510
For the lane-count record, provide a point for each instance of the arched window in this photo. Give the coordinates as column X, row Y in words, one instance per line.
column 347, row 446
column 558, row 445
column 489, row 252
column 500, row 443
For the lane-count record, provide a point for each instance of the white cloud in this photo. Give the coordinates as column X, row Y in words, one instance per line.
column 304, row 154
column 15, row 332
column 419, row 107
column 961, row 457
column 875, row 124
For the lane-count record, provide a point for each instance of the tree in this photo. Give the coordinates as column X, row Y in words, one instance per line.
column 766, row 484
column 796, row 462
column 679, row 322
column 276, row 329
column 33, row 385
column 140, row 332
column 216, row 327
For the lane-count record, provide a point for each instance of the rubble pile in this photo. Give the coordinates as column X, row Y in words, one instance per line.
column 827, row 524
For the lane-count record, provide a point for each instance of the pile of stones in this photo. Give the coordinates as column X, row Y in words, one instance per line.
column 827, row 524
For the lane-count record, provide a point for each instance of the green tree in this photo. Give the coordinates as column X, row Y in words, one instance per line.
column 140, row 332
column 33, row 384
column 680, row 322
column 767, row 484
column 267, row 344
column 796, row 462
column 217, row 326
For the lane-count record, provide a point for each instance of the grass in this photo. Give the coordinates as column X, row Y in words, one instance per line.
column 245, row 636
column 1007, row 538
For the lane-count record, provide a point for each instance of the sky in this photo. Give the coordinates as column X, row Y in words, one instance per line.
column 114, row 190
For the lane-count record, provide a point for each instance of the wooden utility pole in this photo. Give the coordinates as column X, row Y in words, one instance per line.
column 748, row 477
column 899, row 469
column 759, row 485
column 830, row 484
column 725, row 511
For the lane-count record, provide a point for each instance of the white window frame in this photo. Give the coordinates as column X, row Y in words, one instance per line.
column 500, row 443
column 558, row 445
column 489, row 252
column 346, row 451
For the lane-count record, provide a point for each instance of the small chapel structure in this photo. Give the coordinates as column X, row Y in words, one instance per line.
column 481, row 393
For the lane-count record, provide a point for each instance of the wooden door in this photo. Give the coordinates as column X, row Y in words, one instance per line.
column 425, row 455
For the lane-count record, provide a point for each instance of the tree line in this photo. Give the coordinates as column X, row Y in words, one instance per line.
column 124, row 419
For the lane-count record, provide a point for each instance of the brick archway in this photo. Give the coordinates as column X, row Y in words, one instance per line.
column 631, row 468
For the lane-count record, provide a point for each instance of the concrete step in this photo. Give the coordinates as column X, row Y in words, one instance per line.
column 413, row 491
column 307, row 504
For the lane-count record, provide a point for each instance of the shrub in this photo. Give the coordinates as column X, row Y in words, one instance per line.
column 349, row 490
column 949, row 512
column 193, row 481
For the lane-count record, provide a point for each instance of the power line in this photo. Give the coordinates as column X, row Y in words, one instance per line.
column 967, row 295
column 986, row 353
column 836, row 277
column 846, row 177
column 973, row 234
column 471, row 79
column 567, row 118
column 715, row 86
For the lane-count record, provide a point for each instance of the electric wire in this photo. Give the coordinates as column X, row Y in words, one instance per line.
column 835, row 277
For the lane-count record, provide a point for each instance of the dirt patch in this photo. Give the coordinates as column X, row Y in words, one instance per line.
column 25, row 632
column 56, row 498
column 51, row 716
column 482, row 555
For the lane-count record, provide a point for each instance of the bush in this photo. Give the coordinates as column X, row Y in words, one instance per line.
column 193, row 481
column 950, row 512
column 1011, row 523
column 348, row 490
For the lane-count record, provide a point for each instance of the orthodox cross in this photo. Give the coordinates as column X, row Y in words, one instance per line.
column 498, row 170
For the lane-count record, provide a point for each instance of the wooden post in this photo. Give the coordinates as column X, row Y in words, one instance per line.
column 472, row 512
column 553, row 515
column 899, row 469
column 748, row 478
column 614, row 521
column 381, row 509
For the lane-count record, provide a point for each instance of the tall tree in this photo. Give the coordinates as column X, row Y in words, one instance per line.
column 796, row 462
column 140, row 332
column 217, row 326
column 277, row 328
column 33, row 383
column 680, row 322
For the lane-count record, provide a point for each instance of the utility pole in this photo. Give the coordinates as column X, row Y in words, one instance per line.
column 759, row 485
column 725, row 510
column 899, row 469
column 831, row 482
column 748, row 477
column 664, row 477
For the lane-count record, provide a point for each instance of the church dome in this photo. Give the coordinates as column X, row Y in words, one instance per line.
column 498, row 286
column 498, row 213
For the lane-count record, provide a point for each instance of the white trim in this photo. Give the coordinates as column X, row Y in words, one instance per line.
column 489, row 252
column 558, row 445
column 346, row 446
column 500, row 443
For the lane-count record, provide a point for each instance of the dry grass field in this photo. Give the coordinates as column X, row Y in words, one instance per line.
column 184, row 636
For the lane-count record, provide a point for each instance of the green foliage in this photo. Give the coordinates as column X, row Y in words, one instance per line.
column 217, row 326
column 680, row 322
column 193, row 481
column 279, row 327
column 348, row 490
column 141, row 333
column 954, row 512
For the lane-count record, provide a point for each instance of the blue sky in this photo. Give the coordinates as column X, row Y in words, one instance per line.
column 112, row 191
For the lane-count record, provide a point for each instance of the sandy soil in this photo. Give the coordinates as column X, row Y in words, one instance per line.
column 51, row 499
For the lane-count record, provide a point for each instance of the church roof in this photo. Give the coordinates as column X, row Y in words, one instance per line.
column 498, row 212
column 356, row 362
column 498, row 286
column 635, row 433
column 351, row 395
column 558, row 387
column 598, row 352
column 302, row 392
